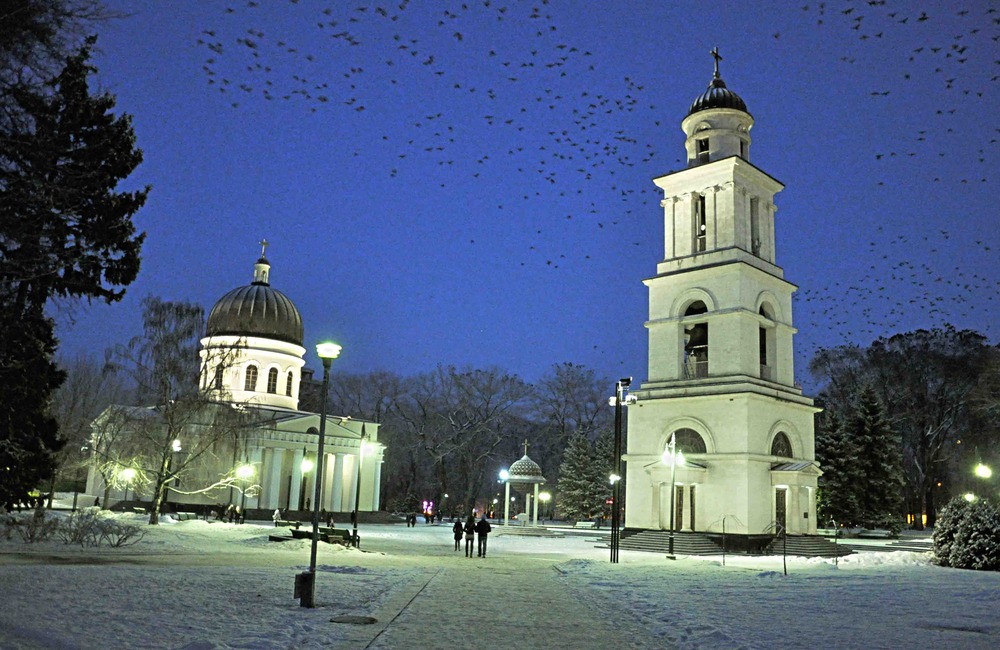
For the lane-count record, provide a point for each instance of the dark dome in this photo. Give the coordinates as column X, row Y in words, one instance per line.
column 256, row 310
column 718, row 96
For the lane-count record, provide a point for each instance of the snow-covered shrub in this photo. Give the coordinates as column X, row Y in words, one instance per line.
column 83, row 527
column 117, row 533
column 37, row 529
column 967, row 535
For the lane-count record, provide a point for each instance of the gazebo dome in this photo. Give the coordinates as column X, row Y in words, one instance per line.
column 525, row 470
column 257, row 310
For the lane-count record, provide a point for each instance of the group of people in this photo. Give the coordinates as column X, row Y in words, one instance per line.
column 472, row 530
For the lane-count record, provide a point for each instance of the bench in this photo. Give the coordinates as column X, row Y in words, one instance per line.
column 583, row 524
column 139, row 511
column 285, row 522
column 185, row 516
column 328, row 535
column 875, row 534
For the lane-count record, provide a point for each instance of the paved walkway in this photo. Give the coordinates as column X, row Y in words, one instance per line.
column 496, row 603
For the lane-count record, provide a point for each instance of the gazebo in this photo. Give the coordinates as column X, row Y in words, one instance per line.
column 523, row 472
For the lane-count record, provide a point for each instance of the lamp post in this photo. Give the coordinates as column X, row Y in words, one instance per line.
column 244, row 473
column 617, row 401
column 357, row 491
column 128, row 475
column 544, row 498
column 307, row 589
column 674, row 458
column 504, row 476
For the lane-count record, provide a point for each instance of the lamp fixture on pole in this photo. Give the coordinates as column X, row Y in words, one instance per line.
column 619, row 400
column 306, row 589
column 674, row 458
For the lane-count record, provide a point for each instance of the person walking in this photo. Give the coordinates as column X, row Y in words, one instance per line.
column 483, row 529
column 457, row 529
column 470, row 534
column 276, row 517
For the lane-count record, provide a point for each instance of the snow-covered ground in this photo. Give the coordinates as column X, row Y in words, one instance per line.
column 201, row 585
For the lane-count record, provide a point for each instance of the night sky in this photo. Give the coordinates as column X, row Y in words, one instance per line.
column 470, row 183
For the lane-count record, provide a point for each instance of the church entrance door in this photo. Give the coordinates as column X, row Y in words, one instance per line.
column 691, row 508
column 779, row 509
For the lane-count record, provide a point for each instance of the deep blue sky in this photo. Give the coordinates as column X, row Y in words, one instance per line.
column 492, row 202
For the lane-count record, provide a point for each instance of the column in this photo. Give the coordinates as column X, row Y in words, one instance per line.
column 355, row 477
column 506, row 503
column 337, row 504
column 296, row 485
column 376, row 485
column 256, row 454
column 272, row 495
column 534, row 517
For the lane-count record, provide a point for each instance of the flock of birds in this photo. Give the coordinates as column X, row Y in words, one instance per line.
column 582, row 150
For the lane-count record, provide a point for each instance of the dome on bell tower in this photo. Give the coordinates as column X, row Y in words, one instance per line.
column 718, row 124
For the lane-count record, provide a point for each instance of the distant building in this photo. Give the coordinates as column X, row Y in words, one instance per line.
column 721, row 379
column 252, row 356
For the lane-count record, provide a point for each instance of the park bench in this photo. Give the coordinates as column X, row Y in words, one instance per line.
column 288, row 523
column 583, row 524
column 185, row 516
column 328, row 535
column 139, row 511
column 875, row 534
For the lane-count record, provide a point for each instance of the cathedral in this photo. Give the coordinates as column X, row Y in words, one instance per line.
column 720, row 437
column 252, row 358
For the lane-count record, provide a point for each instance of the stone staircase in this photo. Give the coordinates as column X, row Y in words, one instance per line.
column 807, row 546
column 658, row 541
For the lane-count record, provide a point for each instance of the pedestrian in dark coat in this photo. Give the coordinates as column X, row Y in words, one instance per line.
column 457, row 529
column 483, row 529
column 470, row 534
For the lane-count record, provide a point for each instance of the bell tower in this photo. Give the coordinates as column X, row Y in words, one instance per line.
column 721, row 377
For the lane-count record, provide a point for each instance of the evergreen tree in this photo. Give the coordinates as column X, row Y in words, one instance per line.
column 64, row 233
column 576, row 492
column 603, row 467
column 878, row 457
column 838, row 497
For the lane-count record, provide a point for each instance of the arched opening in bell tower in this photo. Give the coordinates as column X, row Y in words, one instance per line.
column 696, row 343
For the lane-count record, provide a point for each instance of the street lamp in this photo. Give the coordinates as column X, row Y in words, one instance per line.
column 244, row 473
column 504, row 476
column 983, row 471
column 618, row 400
column 128, row 475
column 307, row 587
column 544, row 498
column 672, row 457
column 357, row 490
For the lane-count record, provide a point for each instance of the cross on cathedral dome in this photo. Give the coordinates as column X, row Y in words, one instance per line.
column 717, row 95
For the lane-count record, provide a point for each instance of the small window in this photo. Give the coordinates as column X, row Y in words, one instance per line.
column 217, row 380
column 702, row 149
column 288, row 383
column 755, row 226
column 700, row 224
column 781, row 446
column 251, row 378
column 272, row 380
column 743, row 149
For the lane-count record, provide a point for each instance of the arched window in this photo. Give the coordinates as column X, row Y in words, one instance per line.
column 696, row 343
column 781, row 446
column 689, row 441
column 288, row 383
column 251, row 379
column 217, row 380
column 272, row 380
